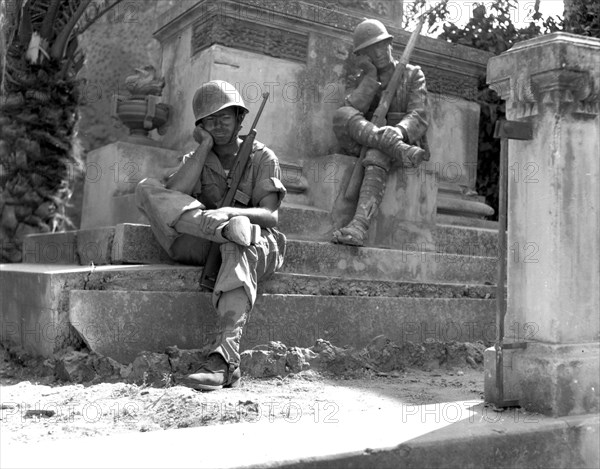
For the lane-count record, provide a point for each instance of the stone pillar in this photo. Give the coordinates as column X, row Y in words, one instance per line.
column 553, row 218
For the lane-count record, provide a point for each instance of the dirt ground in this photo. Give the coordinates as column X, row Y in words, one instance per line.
column 36, row 408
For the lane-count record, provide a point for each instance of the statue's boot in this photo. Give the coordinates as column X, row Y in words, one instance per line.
column 222, row 367
column 386, row 140
column 371, row 194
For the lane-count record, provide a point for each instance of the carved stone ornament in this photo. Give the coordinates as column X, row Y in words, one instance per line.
column 530, row 82
column 246, row 35
column 141, row 112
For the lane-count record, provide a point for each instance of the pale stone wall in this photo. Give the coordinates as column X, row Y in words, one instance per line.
column 553, row 255
column 113, row 47
column 117, row 44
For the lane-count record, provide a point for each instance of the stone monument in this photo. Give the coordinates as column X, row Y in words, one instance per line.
column 553, row 252
column 298, row 51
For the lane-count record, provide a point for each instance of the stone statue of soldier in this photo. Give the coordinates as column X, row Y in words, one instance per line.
column 185, row 216
column 401, row 142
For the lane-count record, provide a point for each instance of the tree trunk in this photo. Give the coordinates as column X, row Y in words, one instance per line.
column 39, row 151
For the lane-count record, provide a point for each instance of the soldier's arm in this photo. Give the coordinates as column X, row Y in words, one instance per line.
column 186, row 177
column 267, row 195
column 414, row 124
column 362, row 96
column 265, row 214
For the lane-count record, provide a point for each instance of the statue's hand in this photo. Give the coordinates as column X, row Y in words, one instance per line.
column 203, row 137
column 367, row 66
column 391, row 134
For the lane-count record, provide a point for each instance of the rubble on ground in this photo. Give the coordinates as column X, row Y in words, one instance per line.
column 380, row 357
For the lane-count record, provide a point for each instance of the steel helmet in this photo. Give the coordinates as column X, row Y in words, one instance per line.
column 213, row 96
column 369, row 32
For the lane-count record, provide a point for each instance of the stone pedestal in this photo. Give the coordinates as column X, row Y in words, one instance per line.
column 554, row 213
column 111, row 175
column 299, row 52
column 406, row 215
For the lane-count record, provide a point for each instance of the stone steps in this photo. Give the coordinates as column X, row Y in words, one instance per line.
column 187, row 278
column 299, row 222
column 154, row 300
column 120, row 324
column 122, row 294
column 310, row 223
column 135, row 244
column 321, row 258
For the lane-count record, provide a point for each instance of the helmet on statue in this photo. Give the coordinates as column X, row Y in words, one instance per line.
column 369, row 32
column 214, row 96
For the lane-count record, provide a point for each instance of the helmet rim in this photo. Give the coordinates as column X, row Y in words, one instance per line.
column 216, row 90
column 382, row 37
column 369, row 32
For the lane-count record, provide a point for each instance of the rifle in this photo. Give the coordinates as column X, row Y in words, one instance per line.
column 355, row 182
column 213, row 261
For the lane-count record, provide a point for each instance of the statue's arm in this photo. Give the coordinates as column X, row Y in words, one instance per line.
column 414, row 123
column 360, row 98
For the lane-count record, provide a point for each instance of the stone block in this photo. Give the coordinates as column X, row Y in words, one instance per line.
column 329, row 259
column 468, row 241
column 114, row 170
column 560, row 379
column 304, row 222
column 51, row 248
column 355, row 321
column 125, row 210
column 550, row 379
column 406, row 215
column 94, row 246
column 35, row 302
column 136, row 244
column 120, row 324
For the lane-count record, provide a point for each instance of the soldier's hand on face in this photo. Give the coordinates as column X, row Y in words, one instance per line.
column 203, row 137
column 367, row 66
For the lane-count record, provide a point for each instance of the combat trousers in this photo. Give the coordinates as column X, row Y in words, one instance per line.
column 241, row 268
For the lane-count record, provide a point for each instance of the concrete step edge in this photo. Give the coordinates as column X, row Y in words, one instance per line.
column 144, row 277
column 406, row 437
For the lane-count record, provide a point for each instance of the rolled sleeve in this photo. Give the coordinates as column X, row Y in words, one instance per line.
column 268, row 178
column 267, row 186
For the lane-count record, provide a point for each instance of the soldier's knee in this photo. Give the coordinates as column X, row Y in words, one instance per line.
column 375, row 157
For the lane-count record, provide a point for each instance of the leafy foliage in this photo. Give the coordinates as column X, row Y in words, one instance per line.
column 490, row 29
column 582, row 17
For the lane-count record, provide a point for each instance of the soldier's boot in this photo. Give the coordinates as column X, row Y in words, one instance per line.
column 385, row 140
column 221, row 369
column 371, row 194
column 238, row 229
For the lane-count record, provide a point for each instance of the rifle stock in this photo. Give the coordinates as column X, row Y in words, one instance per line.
column 379, row 116
column 213, row 261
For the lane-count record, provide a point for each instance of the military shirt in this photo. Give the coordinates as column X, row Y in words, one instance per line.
column 262, row 176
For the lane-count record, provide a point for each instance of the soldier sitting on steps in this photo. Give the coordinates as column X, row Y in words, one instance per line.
column 387, row 145
column 185, row 220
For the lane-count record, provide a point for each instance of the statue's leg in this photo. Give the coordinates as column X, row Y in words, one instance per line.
column 386, row 140
column 371, row 193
